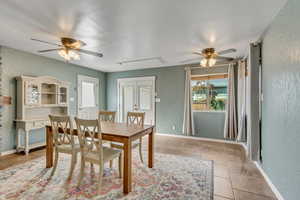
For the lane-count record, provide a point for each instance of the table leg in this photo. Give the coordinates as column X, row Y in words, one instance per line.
column 151, row 149
column 49, row 147
column 127, row 167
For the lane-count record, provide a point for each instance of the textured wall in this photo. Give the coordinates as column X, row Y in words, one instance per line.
column 281, row 106
column 16, row 63
column 209, row 124
column 169, row 111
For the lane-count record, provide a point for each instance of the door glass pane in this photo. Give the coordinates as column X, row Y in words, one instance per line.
column 88, row 94
column 128, row 101
column 145, row 98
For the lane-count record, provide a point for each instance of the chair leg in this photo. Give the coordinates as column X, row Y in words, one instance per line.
column 121, row 165
column 100, row 175
column 73, row 163
column 111, row 162
column 82, row 166
column 55, row 162
column 140, row 150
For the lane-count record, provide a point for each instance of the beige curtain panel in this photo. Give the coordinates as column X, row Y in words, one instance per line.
column 241, row 101
column 230, row 127
column 188, row 114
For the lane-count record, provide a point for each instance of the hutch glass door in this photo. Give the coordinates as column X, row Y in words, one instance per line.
column 32, row 91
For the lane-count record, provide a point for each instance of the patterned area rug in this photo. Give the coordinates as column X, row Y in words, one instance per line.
column 173, row 177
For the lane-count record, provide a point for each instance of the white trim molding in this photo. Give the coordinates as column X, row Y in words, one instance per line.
column 4, row 153
column 199, row 138
column 272, row 186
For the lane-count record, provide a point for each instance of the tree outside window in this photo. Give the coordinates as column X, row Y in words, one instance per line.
column 209, row 93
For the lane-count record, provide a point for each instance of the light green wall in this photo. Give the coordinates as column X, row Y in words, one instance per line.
column 16, row 63
column 209, row 124
column 169, row 111
column 169, row 88
column 281, row 105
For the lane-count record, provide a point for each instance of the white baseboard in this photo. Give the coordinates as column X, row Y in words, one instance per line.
column 245, row 147
column 272, row 186
column 4, row 153
column 199, row 138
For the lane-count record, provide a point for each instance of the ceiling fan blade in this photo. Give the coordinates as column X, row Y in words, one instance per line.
column 48, row 50
column 197, row 53
column 225, row 58
column 226, row 51
column 37, row 40
column 190, row 60
column 90, row 52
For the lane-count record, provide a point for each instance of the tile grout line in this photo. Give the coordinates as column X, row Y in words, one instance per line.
column 266, row 178
column 262, row 195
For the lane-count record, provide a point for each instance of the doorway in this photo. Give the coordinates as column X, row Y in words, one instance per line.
column 137, row 95
column 88, row 97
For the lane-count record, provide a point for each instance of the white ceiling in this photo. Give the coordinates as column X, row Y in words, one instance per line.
column 136, row 29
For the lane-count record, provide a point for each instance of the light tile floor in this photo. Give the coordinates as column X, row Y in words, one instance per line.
column 235, row 177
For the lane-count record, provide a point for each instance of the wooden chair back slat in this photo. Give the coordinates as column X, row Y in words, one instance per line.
column 89, row 134
column 137, row 118
column 60, row 126
column 108, row 116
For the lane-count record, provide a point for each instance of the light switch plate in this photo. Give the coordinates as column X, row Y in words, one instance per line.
column 72, row 99
column 157, row 99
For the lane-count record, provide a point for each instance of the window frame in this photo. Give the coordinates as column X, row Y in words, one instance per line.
column 206, row 77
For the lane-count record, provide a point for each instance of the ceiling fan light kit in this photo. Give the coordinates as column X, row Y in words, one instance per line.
column 208, row 62
column 68, row 54
column 210, row 56
column 69, row 48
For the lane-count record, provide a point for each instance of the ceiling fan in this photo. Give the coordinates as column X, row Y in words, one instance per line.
column 209, row 56
column 69, row 48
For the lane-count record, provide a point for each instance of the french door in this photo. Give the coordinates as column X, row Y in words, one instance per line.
column 137, row 95
column 88, row 100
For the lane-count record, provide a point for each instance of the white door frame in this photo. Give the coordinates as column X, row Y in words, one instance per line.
column 80, row 77
column 141, row 78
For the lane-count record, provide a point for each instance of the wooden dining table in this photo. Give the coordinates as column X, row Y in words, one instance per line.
column 115, row 132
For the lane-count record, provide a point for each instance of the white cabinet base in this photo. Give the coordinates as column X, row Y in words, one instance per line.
column 24, row 129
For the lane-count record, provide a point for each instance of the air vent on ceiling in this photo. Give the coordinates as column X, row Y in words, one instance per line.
column 159, row 59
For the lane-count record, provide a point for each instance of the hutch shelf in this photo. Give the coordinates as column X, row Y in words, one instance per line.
column 37, row 97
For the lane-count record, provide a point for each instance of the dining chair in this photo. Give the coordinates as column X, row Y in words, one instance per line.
column 133, row 118
column 64, row 142
column 108, row 116
column 92, row 150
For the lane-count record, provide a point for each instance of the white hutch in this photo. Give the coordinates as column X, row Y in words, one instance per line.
column 37, row 97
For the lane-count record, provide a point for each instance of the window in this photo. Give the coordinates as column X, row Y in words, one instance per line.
column 209, row 93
